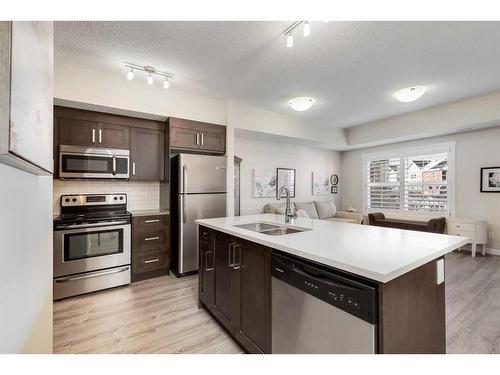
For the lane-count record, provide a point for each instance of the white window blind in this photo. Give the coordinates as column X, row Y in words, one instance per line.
column 410, row 180
column 383, row 183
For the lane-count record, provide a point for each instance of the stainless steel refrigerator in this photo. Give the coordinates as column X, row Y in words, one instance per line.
column 198, row 191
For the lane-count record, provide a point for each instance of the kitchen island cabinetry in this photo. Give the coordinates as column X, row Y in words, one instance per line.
column 235, row 283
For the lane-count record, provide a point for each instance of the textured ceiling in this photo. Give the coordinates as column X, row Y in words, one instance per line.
column 351, row 68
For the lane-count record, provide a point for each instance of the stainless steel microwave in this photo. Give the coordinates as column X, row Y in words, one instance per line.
column 92, row 162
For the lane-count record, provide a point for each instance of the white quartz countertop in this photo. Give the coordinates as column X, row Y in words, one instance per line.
column 380, row 254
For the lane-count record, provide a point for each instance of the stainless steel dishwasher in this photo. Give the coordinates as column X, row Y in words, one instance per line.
column 318, row 310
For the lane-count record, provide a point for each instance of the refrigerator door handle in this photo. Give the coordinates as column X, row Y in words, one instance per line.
column 183, row 197
column 184, row 178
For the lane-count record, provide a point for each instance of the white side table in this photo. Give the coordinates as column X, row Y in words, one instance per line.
column 475, row 230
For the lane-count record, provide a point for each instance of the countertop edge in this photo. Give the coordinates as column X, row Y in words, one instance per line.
column 381, row 278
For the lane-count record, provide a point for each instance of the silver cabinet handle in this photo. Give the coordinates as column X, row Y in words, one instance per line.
column 152, row 221
column 100, row 135
column 206, row 262
column 152, row 260
column 93, row 135
column 231, row 255
column 197, row 139
column 133, row 168
column 152, row 238
column 237, row 265
column 114, row 165
column 202, row 142
column 88, row 276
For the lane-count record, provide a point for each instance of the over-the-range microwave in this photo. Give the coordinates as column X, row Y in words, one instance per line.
column 91, row 162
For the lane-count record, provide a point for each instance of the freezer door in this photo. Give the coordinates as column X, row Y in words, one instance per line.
column 202, row 174
column 191, row 208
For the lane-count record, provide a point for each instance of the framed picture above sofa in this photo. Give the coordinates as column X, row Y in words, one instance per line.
column 490, row 180
column 286, row 177
column 320, row 183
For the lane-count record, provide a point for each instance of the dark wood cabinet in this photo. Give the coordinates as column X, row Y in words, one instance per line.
column 235, row 286
column 113, row 136
column 150, row 246
column 206, row 267
column 195, row 136
column 147, row 154
column 147, row 140
column 74, row 132
column 224, row 302
column 253, row 296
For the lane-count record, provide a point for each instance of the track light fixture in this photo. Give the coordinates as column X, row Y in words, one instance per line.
column 306, row 31
column 151, row 72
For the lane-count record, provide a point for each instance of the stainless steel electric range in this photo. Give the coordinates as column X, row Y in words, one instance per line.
column 92, row 244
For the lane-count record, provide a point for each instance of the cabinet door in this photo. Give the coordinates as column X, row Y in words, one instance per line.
column 147, row 158
column 213, row 141
column 253, row 296
column 207, row 267
column 184, row 138
column 113, row 136
column 77, row 132
column 223, row 306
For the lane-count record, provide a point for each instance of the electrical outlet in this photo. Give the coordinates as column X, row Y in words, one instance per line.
column 491, row 234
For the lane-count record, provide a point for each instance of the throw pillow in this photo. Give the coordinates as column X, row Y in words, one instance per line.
column 325, row 209
column 309, row 208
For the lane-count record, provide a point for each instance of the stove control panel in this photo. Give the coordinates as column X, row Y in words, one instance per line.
column 93, row 200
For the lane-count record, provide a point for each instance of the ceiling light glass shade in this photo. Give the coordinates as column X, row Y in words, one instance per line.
column 289, row 40
column 130, row 75
column 166, row 84
column 409, row 94
column 307, row 29
column 150, row 79
column 302, row 103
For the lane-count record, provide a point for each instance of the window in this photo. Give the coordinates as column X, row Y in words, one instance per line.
column 416, row 180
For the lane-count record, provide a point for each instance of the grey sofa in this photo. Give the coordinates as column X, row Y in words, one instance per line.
column 316, row 210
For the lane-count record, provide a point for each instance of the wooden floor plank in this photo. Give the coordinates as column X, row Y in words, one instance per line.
column 162, row 316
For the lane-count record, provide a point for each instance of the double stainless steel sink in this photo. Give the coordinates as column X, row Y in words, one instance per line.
column 270, row 229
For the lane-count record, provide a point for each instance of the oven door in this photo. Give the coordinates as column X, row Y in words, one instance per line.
column 77, row 162
column 91, row 248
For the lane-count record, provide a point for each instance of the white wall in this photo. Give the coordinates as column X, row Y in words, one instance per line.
column 473, row 150
column 259, row 153
column 25, row 262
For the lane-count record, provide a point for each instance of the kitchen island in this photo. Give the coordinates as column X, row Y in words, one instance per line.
column 404, row 269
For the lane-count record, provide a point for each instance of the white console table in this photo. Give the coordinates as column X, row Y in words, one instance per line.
column 475, row 230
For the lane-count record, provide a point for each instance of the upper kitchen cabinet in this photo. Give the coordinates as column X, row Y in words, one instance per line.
column 198, row 137
column 26, row 92
column 75, row 132
column 147, row 154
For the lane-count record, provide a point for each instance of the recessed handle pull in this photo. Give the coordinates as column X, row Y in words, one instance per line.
column 152, row 238
column 152, row 221
column 152, row 260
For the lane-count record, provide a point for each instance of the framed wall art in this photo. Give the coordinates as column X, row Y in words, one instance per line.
column 490, row 180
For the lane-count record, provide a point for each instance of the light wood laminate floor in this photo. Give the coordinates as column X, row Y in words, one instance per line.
column 162, row 316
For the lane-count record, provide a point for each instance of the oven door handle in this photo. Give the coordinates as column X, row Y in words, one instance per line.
column 114, row 165
column 88, row 276
column 78, row 226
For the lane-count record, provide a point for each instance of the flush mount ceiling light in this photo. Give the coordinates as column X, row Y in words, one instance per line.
column 409, row 94
column 302, row 103
column 306, row 31
column 151, row 72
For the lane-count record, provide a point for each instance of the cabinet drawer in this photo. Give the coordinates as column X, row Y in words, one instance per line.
column 462, row 233
column 468, row 227
column 149, row 222
column 204, row 234
column 148, row 239
column 150, row 261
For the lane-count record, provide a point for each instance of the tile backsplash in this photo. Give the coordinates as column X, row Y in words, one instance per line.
column 141, row 195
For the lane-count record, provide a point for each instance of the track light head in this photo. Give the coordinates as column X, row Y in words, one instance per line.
column 289, row 40
column 150, row 79
column 166, row 83
column 306, row 30
column 130, row 74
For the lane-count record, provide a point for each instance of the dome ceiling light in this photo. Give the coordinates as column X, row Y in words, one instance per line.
column 151, row 72
column 409, row 94
column 302, row 103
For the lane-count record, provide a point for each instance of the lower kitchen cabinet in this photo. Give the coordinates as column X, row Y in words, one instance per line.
column 150, row 246
column 235, row 286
